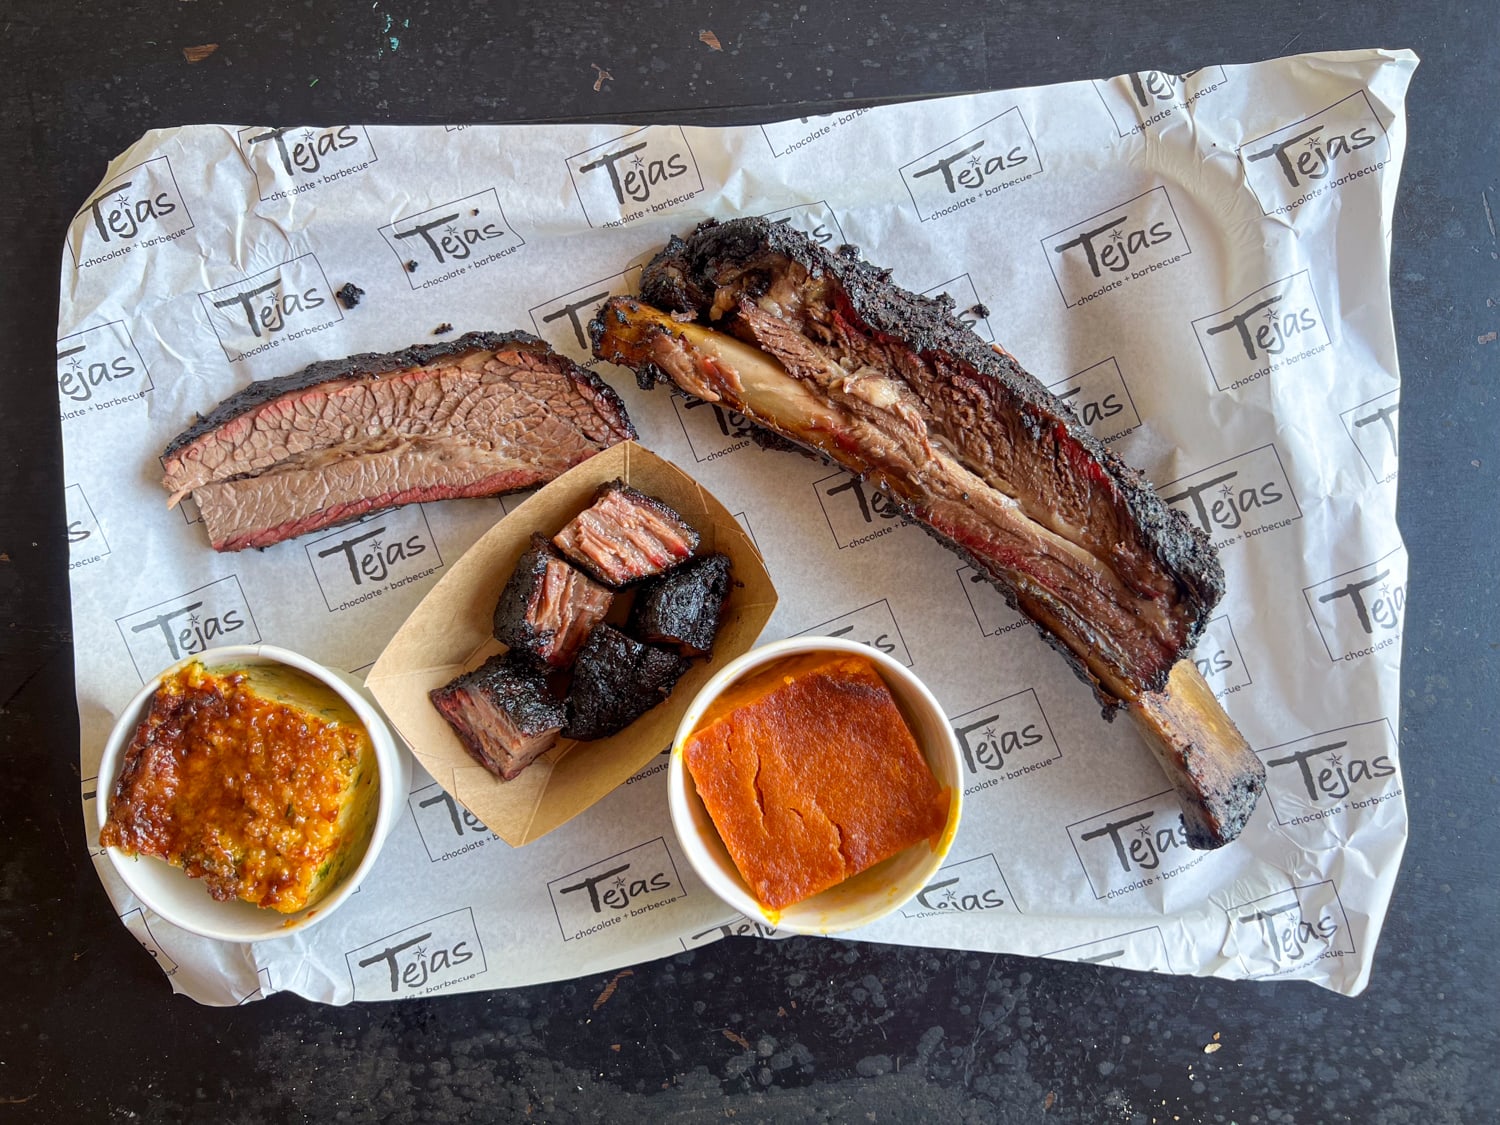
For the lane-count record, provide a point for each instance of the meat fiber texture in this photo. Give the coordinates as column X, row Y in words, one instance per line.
column 1198, row 265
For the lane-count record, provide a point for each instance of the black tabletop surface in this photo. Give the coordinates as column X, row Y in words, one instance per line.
column 803, row 1029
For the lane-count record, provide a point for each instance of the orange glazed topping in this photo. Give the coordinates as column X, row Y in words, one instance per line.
column 259, row 798
column 811, row 775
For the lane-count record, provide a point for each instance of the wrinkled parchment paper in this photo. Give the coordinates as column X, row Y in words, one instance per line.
column 1198, row 263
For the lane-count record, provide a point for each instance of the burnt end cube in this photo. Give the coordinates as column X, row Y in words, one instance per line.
column 616, row 681
column 503, row 712
column 548, row 608
column 683, row 608
column 625, row 536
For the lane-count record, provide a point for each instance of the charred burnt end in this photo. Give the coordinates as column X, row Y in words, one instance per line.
column 683, row 608
column 349, row 294
column 617, row 680
column 625, row 536
column 503, row 712
column 548, row 608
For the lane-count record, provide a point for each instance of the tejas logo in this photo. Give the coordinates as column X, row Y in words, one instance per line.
column 1237, row 499
column 1360, row 611
column 790, row 136
column 361, row 562
column 856, row 510
column 973, row 313
column 429, row 957
column 1144, row 99
column 622, row 887
column 873, row 625
column 1219, row 660
column 447, row 241
column 988, row 159
column 270, row 308
column 296, row 159
column 639, row 174
column 1101, row 399
column 1374, row 429
column 1331, row 772
column 1134, row 949
column 162, row 634
column 1273, row 328
column 99, row 368
column 712, row 429
column 1004, row 740
column 86, row 542
column 1134, row 846
column 1317, row 155
column 738, row 926
column 139, row 207
column 448, row 830
column 1290, row 930
column 1123, row 243
column 564, row 321
column 970, row 886
column 987, row 604
column 816, row 220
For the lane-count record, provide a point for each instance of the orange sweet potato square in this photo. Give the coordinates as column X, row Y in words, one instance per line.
column 811, row 775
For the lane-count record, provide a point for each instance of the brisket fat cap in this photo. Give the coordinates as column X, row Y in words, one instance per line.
column 840, row 327
column 477, row 416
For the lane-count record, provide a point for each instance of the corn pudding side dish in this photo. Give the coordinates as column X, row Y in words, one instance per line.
column 257, row 780
column 811, row 775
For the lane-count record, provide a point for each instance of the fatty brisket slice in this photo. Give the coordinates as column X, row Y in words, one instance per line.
column 481, row 415
column 617, row 680
column 503, row 712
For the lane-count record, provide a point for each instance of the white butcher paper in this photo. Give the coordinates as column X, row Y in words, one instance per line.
column 1199, row 262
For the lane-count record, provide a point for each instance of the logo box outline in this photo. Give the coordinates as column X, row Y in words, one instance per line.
column 343, row 528
column 1271, row 445
column 208, row 308
column 1120, row 375
column 1025, row 126
column 1036, row 702
column 667, row 851
column 1344, row 417
column 1317, row 304
column 1230, row 911
column 1112, row 938
column 105, row 189
column 1101, row 84
column 810, row 630
column 682, row 135
column 1385, row 136
column 1118, row 808
column 1048, row 251
column 1382, row 721
column 349, row 955
column 1313, row 612
column 249, row 156
column 119, row 621
column 402, row 259
column 129, row 339
column 1010, row 899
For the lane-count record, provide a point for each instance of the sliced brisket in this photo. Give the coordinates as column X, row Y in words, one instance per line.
column 477, row 416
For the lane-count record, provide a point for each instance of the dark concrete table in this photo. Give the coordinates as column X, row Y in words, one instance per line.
column 803, row 1029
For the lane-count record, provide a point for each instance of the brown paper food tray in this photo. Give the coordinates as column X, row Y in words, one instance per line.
column 449, row 633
